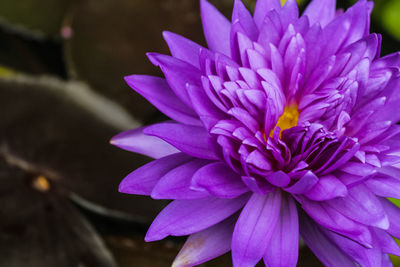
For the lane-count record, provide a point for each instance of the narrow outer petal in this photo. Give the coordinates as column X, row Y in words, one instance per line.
column 157, row 92
column 326, row 251
column 321, row 11
column 207, row 244
column 192, row 140
column 176, row 183
column 142, row 180
column 283, row 250
column 216, row 28
column 136, row 141
column 254, row 228
column 182, row 48
column 185, row 217
column 218, row 179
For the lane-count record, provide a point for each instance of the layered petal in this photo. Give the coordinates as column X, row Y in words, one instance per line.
column 254, row 228
column 185, row 217
column 136, row 141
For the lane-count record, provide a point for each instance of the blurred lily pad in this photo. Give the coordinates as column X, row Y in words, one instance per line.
column 68, row 143
column 39, row 226
column 38, row 17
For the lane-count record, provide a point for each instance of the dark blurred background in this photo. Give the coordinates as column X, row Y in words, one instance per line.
column 62, row 97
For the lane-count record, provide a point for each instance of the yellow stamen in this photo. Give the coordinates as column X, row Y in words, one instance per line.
column 41, row 183
column 288, row 119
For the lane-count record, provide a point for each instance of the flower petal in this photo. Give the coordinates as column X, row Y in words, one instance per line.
column 178, row 73
column 218, row 179
column 243, row 16
column 321, row 11
column 142, row 180
column 216, row 28
column 185, row 217
column 192, row 140
column 362, row 206
column 182, row 48
column 262, row 8
column 207, row 244
column 176, row 183
column 327, row 187
column 326, row 250
column 254, row 228
column 136, row 141
column 283, row 249
column 157, row 92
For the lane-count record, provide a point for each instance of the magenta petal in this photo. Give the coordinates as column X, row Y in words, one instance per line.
column 185, row 217
column 142, row 180
column 393, row 213
column 178, row 73
column 157, row 92
column 361, row 205
column 218, row 179
column 335, row 221
column 283, row 249
column 384, row 185
column 216, row 28
column 327, row 187
column 209, row 114
column 182, row 48
column 279, row 179
column 321, row 11
column 368, row 257
column 326, row 250
column 304, row 184
column 262, row 8
column 243, row 16
column 176, row 183
column 254, row 228
column 136, row 141
column 192, row 140
column 207, row 244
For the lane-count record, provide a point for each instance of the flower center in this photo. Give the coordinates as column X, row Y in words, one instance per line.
column 288, row 119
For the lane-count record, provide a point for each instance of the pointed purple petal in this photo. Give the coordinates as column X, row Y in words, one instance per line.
column 304, row 184
column 216, row 28
column 178, row 73
column 283, row 249
column 157, row 92
column 207, row 244
column 185, row 217
column 176, row 183
column 335, row 221
column 393, row 213
column 218, row 179
column 254, row 228
column 362, row 206
column 262, row 8
column 192, row 140
column 142, row 180
column 243, row 16
column 182, row 48
column 326, row 250
column 136, row 141
column 321, row 11
column 327, row 187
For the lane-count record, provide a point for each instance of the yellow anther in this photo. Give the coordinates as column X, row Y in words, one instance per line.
column 288, row 119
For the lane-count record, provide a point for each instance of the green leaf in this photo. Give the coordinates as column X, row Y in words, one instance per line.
column 391, row 18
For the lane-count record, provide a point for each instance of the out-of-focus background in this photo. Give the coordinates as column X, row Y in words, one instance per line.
column 62, row 97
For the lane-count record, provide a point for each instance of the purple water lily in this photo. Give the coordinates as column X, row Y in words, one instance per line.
column 284, row 126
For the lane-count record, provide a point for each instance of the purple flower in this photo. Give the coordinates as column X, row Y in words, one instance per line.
column 284, row 126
